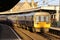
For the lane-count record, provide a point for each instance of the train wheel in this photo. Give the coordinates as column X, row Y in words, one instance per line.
column 27, row 28
column 24, row 27
column 33, row 30
column 20, row 26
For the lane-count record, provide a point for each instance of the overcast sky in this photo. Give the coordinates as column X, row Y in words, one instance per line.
column 40, row 2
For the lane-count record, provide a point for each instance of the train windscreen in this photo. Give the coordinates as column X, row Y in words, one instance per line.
column 42, row 18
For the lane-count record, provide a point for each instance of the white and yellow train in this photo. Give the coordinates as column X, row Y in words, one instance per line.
column 35, row 22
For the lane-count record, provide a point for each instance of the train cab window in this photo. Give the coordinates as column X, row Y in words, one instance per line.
column 39, row 18
column 42, row 18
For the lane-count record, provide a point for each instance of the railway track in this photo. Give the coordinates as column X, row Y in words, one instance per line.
column 23, row 35
column 55, row 36
column 49, row 36
column 26, row 35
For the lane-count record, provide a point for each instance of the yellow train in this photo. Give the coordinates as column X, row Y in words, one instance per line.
column 35, row 22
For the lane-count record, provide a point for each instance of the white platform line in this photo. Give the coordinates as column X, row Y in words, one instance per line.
column 55, row 28
column 15, row 33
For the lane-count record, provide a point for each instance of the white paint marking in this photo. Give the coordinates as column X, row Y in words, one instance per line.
column 55, row 28
column 15, row 33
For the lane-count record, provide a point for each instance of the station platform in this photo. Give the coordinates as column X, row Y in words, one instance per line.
column 55, row 28
column 7, row 33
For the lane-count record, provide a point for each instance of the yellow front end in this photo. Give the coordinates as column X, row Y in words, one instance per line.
column 42, row 25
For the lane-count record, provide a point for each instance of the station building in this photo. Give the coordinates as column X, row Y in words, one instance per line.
column 24, row 6
column 53, row 10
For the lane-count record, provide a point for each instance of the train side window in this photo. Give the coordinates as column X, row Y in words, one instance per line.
column 59, row 17
column 37, row 18
column 47, row 18
column 59, row 11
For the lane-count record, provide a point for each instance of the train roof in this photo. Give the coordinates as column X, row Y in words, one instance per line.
column 42, row 13
column 33, row 13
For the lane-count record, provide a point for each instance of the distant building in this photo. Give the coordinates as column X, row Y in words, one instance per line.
column 24, row 6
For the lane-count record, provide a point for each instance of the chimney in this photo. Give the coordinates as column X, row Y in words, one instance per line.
column 32, row 3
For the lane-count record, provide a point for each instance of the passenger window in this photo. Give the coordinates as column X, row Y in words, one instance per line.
column 47, row 18
column 37, row 18
column 59, row 17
